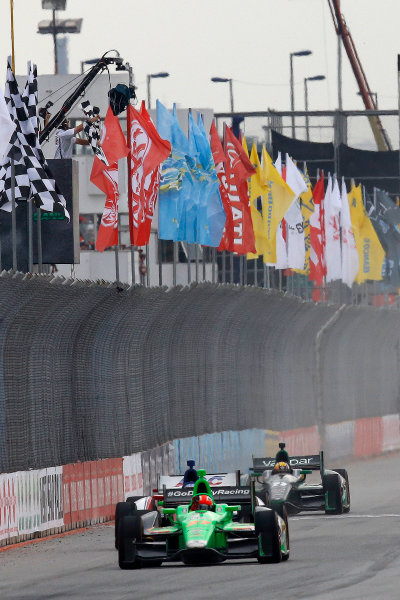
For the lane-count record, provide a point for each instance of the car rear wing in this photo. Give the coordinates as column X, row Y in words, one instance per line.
column 314, row 462
column 236, row 494
column 214, row 479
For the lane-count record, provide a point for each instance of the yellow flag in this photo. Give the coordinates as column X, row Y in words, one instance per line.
column 278, row 197
column 370, row 252
column 256, row 191
column 307, row 209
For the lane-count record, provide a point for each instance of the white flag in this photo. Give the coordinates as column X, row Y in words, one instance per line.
column 350, row 262
column 296, row 250
column 333, row 204
column 6, row 127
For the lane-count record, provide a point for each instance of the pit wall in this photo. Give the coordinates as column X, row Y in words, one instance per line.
column 39, row 503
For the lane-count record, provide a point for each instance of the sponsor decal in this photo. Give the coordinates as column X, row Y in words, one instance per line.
column 188, row 493
column 294, row 461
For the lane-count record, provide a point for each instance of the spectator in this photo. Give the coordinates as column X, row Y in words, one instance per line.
column 66, row 138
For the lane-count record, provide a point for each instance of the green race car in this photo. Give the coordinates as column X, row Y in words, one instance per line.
column 202, row 529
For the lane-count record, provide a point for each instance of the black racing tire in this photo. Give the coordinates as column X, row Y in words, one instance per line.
column 263, row 495
column 133, row 498
column 284, row 516
column 345, row 476
column 268, row 532
column 122, row 509
column 332, row 487
column 130, row 532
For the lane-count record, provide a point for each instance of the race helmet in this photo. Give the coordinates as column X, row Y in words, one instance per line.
column 202, row 502
column 281, row 467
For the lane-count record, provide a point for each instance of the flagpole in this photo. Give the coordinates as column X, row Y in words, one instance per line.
column 128, row 158
column 116, row 251
column 39, row 240
column 197, row 263
column 160, row 281
column 224, row 266
column 174, row 261
column 30, row 240
column 13, row 217
column 148, row 263
column 13, row 213
column 204, row 266
column 214, row 260
column 231, row 266
column 12, row 35
column 255, row 272
column 189, row 275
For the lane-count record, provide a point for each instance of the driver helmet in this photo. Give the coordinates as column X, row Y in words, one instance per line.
column 202, row 502
column 281, row 468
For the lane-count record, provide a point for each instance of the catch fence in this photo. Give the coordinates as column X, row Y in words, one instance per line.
column 340, row 142
column 91, row 371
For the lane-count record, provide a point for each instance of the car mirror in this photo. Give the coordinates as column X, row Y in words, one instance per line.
column 306, row 472
column 233, row 508
column 169, row 511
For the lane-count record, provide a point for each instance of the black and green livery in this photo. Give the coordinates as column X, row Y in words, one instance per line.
column 291, row 493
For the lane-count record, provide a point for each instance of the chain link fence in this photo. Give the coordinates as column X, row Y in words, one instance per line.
column 92, row 371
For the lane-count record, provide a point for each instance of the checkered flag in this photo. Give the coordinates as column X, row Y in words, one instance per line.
column 92, row 131
column 33, row 177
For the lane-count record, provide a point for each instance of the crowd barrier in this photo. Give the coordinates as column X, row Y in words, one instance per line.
column 47, row 501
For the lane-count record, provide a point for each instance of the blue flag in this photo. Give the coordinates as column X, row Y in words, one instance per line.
column 210, row 211
column 176, row 179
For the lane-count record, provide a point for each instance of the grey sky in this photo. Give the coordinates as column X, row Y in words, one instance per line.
column 248, row 40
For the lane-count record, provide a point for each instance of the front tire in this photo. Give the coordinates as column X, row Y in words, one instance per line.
column 333, row 494
column 130, row 532
column 122, row 509
column 345, row 476
column 269, row 536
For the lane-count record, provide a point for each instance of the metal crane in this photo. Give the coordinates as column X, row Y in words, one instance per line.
column 98, row 68
column 381, row 137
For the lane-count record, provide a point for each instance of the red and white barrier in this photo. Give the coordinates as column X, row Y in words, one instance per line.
column 76, row 495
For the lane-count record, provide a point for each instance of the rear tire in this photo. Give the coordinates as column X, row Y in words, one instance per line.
column 333, row 494
column 129, row 533
column 345, row 476
column 269, row 536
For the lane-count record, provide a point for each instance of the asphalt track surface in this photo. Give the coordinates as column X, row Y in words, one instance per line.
column 347, row 557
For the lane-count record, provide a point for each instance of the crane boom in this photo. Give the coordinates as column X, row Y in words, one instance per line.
column 100, row 66
column 381, row 137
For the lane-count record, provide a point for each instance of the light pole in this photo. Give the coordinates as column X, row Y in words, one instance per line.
column 373, row 95
column 225, row 80
column 299, row 53
column 56, row 26
column 149, row 78
column 306, row 79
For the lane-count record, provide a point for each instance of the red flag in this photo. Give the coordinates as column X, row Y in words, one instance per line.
column 106, row 178
column 220, row 161
column 317, row 258
column 147, row 151
column 238, row 171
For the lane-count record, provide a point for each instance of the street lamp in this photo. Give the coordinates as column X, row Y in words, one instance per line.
column 374, row 95
column 225, row 80
column 89, row 61
column 299, row 53
column 56, row 26
column 314, row 78
column 153, row 76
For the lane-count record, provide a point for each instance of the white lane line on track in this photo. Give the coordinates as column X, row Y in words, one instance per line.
column 330, row 517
